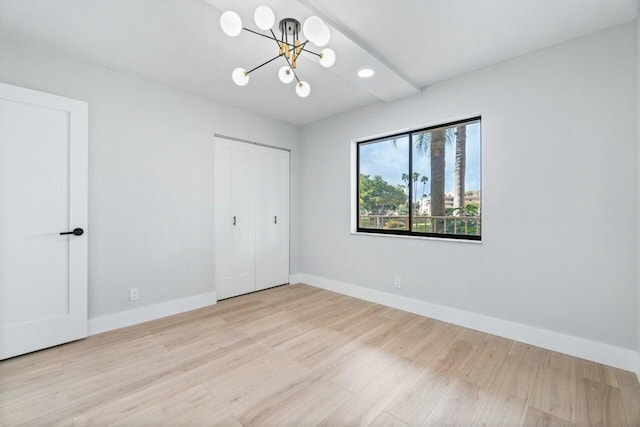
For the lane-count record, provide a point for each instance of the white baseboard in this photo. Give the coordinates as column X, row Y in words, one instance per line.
column 146, row 313
column 574, row 346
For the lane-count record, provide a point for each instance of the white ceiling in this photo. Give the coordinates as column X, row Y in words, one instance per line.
column 410, row 43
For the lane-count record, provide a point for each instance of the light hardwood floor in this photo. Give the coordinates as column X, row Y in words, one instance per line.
column 297, row 355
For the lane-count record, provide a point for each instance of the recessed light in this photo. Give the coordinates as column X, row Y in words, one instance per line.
column 366, row 72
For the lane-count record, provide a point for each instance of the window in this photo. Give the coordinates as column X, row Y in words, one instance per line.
column 422, row 183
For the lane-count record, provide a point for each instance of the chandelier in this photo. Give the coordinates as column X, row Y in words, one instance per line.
column 288, row 45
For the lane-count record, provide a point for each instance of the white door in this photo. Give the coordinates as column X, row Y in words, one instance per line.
column 272, row 217
column 234, row 219
column 280, row 255
column 265, row 216
column 43, row 192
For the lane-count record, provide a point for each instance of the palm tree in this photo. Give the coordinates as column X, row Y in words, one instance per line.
column 460, row 166
column 405, row 179
column 424, row 180
column 434, row 143
column 416, row 175
column 437, row 151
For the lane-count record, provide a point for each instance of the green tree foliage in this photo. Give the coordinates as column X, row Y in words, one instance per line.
column 467, row 210
column 378, row 197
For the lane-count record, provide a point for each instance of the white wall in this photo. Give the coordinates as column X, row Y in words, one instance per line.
column 638, row 189
column 560, row 233
column 150, row 175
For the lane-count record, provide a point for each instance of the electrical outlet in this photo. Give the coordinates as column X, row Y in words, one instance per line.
column 134, row 294
column 397, row 282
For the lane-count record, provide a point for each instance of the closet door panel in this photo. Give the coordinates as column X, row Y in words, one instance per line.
column 280, row 254
column 272, row 248
column 244, row 211
column 223, row 212
column 264, row 216
column 234, row 219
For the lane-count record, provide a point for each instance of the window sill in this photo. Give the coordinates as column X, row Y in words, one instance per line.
column 400, row 236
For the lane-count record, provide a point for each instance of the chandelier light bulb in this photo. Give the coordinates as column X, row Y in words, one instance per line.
column 285, row 74
column 313, row 28
column 231, row 23
column 303, row 89
column 323, row 38
column 328, row 57
column 264, row 17
column 240, row 76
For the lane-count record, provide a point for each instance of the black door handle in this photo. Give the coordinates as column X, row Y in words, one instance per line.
column 75, row 232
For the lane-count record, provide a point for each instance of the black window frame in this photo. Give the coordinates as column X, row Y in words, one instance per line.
column 410, row 134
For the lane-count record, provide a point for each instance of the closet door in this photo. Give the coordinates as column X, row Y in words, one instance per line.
column 234, row 219
column 272, row 217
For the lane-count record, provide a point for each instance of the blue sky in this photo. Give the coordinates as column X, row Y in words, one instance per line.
column 391, row 161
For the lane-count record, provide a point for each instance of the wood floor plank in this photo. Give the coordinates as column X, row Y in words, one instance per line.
column 555, row 387
column 630, row 393
column 460, row 398
column 298, row 355
column 512, row 387
column 29, row 363
column 599, row 404
column 387, row 420
column 506, row 412
column 306, row 403
column 151, row 407
column 12, row 398
column 227, row 422
column 236, row 392
column 415, row 402
column 596, row 372
column 400, row 345
column 376, row 332
column 432, row 345
column 21, row 410
column 367, row 404
column 483, row 368
column 361, row 317
column 364, row 367
column 538, row 418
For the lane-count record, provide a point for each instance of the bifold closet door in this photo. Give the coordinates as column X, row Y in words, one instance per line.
column 234, row 218
column 272, row 217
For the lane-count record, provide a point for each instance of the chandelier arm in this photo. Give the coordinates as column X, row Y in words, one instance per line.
column 308, row 51
column 292, row 69
column 260, row 34
column 275, row 39
column 264, row 63
column 287, row 59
